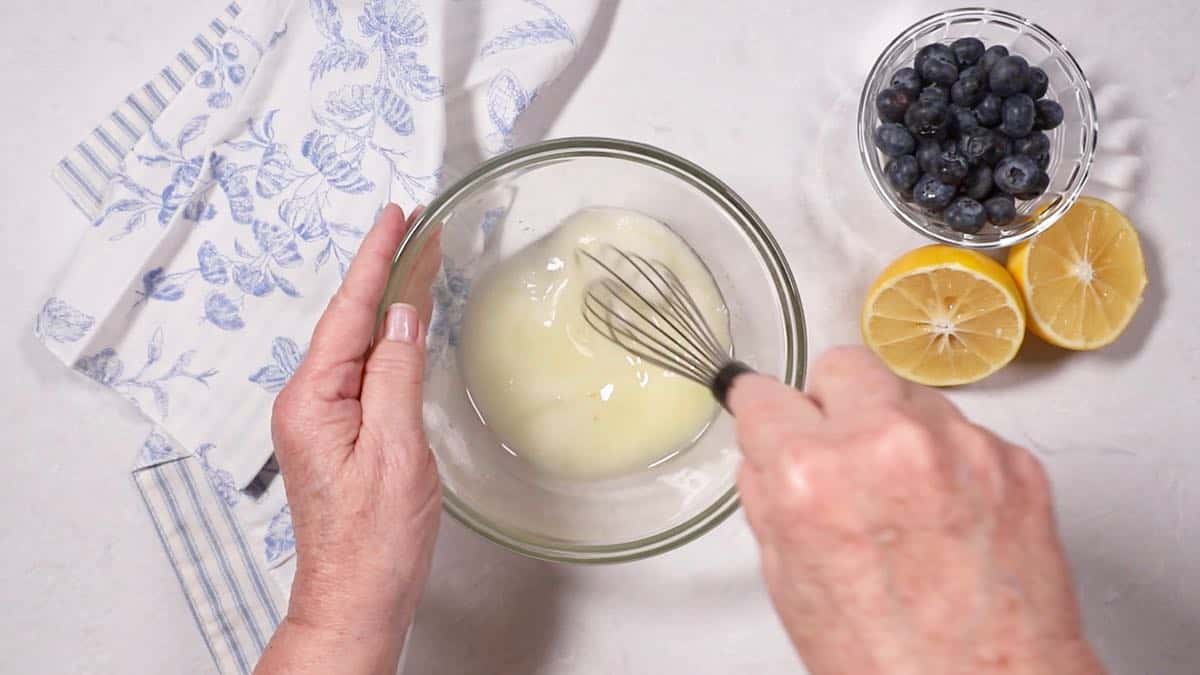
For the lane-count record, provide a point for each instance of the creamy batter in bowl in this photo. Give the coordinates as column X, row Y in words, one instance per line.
column 504, row 208
column 538, row 372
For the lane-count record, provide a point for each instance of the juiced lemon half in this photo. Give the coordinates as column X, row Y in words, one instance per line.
column 1082, row 280
column 944, row 316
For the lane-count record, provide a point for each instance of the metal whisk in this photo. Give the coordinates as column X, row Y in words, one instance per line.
column 649, row 313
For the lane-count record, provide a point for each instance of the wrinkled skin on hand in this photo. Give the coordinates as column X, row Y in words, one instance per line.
column 896, row 536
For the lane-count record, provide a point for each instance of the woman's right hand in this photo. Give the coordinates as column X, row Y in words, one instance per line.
column 896, row 536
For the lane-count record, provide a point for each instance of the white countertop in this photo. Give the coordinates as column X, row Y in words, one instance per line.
column 764, row 98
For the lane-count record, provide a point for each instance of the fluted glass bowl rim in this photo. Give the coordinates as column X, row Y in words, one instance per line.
column 908, row 214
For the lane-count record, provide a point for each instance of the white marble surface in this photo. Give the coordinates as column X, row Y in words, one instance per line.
column 764, row 97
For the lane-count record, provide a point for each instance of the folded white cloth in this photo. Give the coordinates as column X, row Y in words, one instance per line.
column 221, row 236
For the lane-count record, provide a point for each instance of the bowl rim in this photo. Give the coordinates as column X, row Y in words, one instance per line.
column 1049, row 214
column 769, row 252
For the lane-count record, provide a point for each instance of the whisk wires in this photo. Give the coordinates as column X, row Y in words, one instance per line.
column 648, row 312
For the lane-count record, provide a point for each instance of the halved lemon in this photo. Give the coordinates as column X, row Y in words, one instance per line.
column 1082, row 280
column 944, row 316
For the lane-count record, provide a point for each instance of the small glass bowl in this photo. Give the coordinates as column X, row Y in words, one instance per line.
column 1072, row 144
column 516, row 199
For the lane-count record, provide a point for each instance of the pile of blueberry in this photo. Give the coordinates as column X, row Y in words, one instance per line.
column 964, row 133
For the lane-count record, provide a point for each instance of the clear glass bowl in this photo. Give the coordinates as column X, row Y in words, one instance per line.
column 515, row 199
column 1072, row 144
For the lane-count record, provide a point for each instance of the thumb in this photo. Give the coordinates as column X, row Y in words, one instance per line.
column 754, row 395
column 391, row 392
column 769, row 414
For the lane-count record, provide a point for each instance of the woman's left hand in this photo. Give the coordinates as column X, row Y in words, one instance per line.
column 360, row 478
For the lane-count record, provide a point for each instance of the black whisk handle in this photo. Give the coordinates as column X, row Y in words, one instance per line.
column 723, row 382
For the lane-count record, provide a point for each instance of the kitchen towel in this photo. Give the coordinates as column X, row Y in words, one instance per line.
column 218, row 239
column 85, row 172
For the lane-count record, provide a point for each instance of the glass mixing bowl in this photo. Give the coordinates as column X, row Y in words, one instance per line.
column 510, row 202
column 1072, row 144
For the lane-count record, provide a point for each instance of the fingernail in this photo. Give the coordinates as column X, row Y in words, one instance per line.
column 401, row 323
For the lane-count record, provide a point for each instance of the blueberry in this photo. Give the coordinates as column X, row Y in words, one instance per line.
column 931, row 194
column 894, row 140
column 1003, row 146
column 937, row 71
column 935, row 93
column 907, row 80
column 965, row 215
column 927, row 153
column 1039, row 82
column 230, row 50
column 205, row 79
column 1041, row 181
column 991, row 56
column 902, row 173
column 1017, row 116
column 1001, row 210
column 950, row 167
column 927, row 120
column 1009, row 76
column 237, row 73
column 968, row 91
column 973, row 71
column 891, row 104
column 967, row 50
column 1049, row 114
column 936, row 50
column 1016, row 174
column 981, row 147
column 989, row 112
column 961, row 119
column 978, row 183
column 1035, row 145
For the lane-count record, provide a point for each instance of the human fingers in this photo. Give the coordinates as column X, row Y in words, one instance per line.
column 344, row 331
column 770, row 415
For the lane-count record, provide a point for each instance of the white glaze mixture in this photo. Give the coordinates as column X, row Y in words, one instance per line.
column 555, row 392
